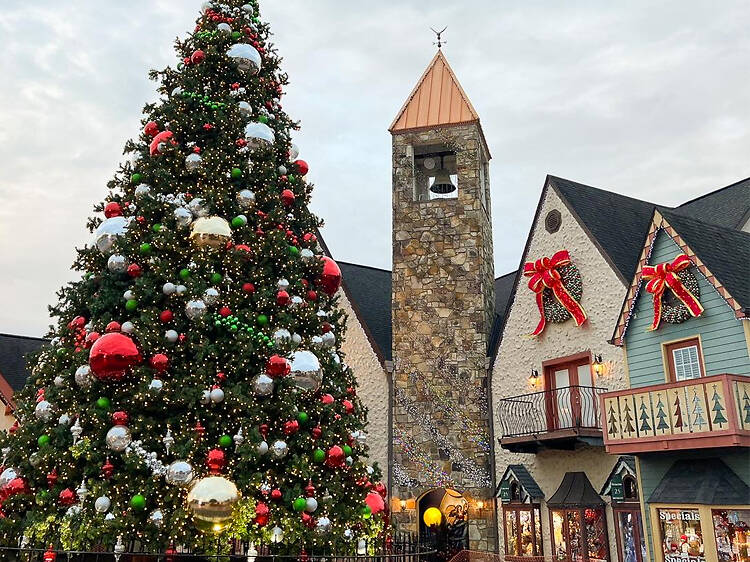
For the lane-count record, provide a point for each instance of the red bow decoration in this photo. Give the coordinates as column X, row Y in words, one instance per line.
column 665, row 275
column 544, row 275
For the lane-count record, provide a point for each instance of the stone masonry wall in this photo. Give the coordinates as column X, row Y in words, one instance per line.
column 603, row 293
column 443, row 303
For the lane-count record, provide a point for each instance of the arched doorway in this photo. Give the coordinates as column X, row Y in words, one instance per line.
column 444, row 519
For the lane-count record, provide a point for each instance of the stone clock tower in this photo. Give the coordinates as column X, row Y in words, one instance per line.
column 443, row 308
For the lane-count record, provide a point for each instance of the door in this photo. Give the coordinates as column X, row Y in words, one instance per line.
column 562, row 398
column 630, row 540
column 570, row 396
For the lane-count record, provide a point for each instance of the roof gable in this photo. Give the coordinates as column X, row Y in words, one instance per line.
column 437, row 99
column 701, row 481
column 13, row 351
column 720, row 254
column 728, row 207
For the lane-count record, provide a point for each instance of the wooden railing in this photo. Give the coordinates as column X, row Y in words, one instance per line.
column 693, row 414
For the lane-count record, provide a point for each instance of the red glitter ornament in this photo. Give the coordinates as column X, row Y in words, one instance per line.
column 135, row 270
column 312, row 295
column 225, row 311
column 310, row 237
column 67, row 497
column 348, row 406
column 198, row 57
column 291, row 427
column 327, row 399
column 49, row 555
column 287, row 197
column 330, row 279
column 91, row 337
column 113, row 327
column 16, row 487
column 108, row 469
column 112, row 209
column 278, row 366
column 166, row 316
column 52, row 478
column 325, row 327
column 316, row 432
column 276, row 494
column 151, row 129
column 120, row 418
column 335, row 457
column 283, row 298
column 248, row 288
column 112, row 355
column 261, row 513
column 215, row 461
column 160, row 362
column 302, row 167
column 375, row 502
column 381, row 489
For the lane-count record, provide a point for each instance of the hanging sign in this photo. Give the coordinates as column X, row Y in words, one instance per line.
column 615, row 488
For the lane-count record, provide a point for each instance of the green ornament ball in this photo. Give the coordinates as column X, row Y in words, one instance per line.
column 216, row 278
column 236, row 35
column 302, row 417
column 347, row 450
column 43, row 440
column 225, row 441
column 262, row 319
column 319, row 455
column 366, row 512
column 299, row 504
column 233, row 328
column 236, row 173
column 184, row 273
column 294, row 251
column 131, row 305
column 145, row 248
column 156, row 227
column 238, row 222
column 136, row 177
column 103, row 403
column 263, row 118
column 138, row 502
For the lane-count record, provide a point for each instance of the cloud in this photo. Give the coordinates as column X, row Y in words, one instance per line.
column 647, row 99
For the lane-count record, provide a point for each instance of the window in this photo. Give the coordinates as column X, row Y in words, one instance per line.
column 684, row 360
column 523, row 530
column 580, row 535
column 571, row 399
column 732, row 532
column 681, row 535
column 631, row 543
column 629, row 489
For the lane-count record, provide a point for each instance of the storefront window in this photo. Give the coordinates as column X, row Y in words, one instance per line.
column 580, row 535
column 631, row 542
column 732, row 531
column 681, row 535
column 523, row 530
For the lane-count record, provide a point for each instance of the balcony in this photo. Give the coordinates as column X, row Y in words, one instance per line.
column 560, row 418
column 693, row 414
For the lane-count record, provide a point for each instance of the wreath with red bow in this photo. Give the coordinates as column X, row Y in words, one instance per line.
column 674, row 311
column 554, row 311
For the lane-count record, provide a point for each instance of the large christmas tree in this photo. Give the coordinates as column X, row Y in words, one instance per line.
column 194, row 382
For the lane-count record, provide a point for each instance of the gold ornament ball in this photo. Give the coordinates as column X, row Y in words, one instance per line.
column 211, row 500
column 211, row 231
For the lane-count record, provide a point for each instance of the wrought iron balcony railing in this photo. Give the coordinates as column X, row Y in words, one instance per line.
column 547, row 411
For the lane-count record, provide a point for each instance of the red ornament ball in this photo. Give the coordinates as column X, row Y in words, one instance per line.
column 166, row 316
column 17, row 486
column 49, row 555
column 160, row 362
column 327, row 399
column 348, row 406
column 278, row 366
column 276, row 494
column 112, row 209
column 283, row 298
column 287, row 197
column 112, row 355
column 248, row 288
column 312, row 295
column 225, row 311
column 67, row 497
column 262, row 511
column 135, row 270
column 375, row 502
column 162, row 137
column 330, row 279
column 302, row 167
column 91, row 337
column 52, row 478
column 291, row 427
column 113, row 327
column 335, row 457
column 120, row 418
column 151, row 129
column 316, row 432
column 381, row 489
column 215, row 461
column 198, row 57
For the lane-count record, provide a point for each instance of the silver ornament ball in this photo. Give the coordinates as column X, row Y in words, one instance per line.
column 263, row 385
column 118, row 438
column 180, row 474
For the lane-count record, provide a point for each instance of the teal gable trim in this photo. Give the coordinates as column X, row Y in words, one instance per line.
column 722, row 335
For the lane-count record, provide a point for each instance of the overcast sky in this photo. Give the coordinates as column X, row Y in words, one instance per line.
column 650, row 99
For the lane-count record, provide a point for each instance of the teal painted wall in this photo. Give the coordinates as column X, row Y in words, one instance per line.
column 653, row 467
column 722, row 335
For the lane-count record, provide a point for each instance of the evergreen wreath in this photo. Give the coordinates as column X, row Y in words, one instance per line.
column 554, row 311
column 673, row 309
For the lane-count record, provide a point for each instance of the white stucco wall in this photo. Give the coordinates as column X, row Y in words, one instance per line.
column 373, row 385
column 603, row 294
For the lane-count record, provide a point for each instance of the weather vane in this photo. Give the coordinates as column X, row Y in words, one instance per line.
column 439, row 41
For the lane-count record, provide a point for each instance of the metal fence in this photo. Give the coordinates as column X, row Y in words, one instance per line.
column 398, row 547
column 569, row 407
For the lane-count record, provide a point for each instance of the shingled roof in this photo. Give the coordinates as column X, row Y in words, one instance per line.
column 13, row 371
column 728, row 207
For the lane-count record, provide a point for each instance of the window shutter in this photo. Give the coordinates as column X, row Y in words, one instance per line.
column 686, row 363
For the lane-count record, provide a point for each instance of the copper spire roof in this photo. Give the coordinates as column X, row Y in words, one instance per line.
column 437, row 99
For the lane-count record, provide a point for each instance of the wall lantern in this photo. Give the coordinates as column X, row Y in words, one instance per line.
column 480, row 504
column 600, row 368
column 402, row 503
column 534, row 377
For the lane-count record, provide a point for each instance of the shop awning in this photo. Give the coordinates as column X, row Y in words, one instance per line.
column 575, row 491
column 702, row 481
column 529, row 488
